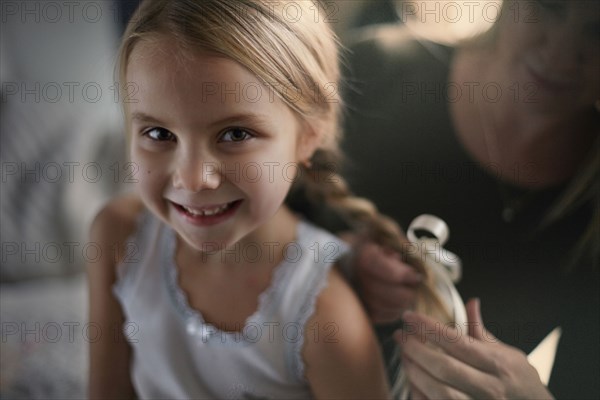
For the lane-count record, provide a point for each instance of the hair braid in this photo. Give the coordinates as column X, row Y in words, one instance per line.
column 323, row 188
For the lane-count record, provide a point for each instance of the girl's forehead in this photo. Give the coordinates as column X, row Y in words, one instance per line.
column 159, row 66
column 153, row 47
column 174, row 87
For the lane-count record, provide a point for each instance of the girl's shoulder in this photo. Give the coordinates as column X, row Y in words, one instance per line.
column 114, row 223
column 342, row 357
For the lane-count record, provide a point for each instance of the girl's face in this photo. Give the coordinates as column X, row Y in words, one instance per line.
column 551, row 50
column 217, row 151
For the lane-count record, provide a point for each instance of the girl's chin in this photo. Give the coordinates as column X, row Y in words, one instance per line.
column 210, row 245
column 203, row 246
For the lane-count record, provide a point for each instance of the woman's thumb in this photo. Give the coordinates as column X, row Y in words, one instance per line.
column 476, row 327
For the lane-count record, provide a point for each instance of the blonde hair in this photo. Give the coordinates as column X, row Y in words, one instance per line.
column 584, row 187
column 288, row 52
column 297, row 56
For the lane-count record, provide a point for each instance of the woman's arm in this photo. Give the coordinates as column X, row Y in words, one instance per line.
column 109, row 351
column 344, row 360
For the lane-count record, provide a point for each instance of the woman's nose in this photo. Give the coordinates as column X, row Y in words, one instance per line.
column 565, row 46
column 195, row 174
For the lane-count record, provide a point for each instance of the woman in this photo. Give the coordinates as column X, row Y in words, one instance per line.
column 498, row 137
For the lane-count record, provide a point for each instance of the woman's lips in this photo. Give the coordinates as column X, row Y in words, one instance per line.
column 547, row 82
column 207, row 215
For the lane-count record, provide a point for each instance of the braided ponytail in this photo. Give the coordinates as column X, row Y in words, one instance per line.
column 320, row 187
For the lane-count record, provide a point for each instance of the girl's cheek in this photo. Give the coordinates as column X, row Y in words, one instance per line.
column 151, row 185
column 144, row 160
column 146, row 168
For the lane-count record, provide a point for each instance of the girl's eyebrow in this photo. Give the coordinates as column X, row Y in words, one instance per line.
column 249, row 118
column 244, row 118
column 140, row 116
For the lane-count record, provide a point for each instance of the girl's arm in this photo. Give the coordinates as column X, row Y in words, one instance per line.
column 109, row 351
column 343, row 361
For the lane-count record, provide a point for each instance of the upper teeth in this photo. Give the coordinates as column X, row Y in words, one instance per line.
column 207, row 211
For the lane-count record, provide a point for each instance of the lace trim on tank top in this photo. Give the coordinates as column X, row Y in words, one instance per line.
column 194, row 321
column 307, row 310
column 318, row 282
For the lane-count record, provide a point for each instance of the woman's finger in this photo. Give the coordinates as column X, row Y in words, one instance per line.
column 449, row 371
column 383, row 316
column 476, row 327
column 453, row 339
column 383, row 295
column 386, row 308
column 416, row 394
column 374, row 263
column 386, row 302
column 427, row 386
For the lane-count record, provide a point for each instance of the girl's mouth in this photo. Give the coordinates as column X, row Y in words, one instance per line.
column 209, row 215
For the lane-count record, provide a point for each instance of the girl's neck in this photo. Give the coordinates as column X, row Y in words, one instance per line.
column 225, row 286
column 508, row 139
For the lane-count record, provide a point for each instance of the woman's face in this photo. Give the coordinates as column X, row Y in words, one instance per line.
column 551, row 51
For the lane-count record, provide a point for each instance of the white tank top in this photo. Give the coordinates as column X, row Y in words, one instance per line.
column 176, row 355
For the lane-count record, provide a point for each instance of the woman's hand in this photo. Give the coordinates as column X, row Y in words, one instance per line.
column 385, row 284
column 442, row 362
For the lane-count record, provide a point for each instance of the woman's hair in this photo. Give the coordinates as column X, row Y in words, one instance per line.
column 582, row 189
column 288, row 47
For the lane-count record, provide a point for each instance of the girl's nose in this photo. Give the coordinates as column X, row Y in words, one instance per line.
column 194, row 174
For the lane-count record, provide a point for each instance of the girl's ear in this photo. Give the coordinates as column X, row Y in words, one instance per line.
column 309, row 140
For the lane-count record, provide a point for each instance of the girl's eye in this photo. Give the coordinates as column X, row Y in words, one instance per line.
column 159, row 134
column 235, row 135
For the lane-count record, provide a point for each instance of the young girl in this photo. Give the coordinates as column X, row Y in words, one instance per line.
column 210, row 284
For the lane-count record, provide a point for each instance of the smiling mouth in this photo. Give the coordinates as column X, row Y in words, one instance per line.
column 209, row 214
column 550, row 83
column 207, row 211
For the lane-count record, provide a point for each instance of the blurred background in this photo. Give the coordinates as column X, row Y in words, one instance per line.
column 62, row 157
